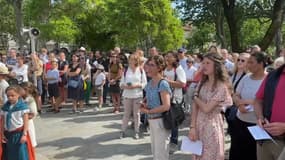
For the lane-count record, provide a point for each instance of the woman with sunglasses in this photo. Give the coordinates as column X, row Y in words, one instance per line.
column 240, row 71
column 114, row 77
column 243, row 144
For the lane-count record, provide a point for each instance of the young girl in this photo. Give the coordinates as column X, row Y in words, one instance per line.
column 212, row 95
column 29, row 95
column 15, row 115
column 99, row 81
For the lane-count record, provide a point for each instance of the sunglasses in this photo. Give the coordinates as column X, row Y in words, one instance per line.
column 113, row 56
column 241, row 60
column 151, row 65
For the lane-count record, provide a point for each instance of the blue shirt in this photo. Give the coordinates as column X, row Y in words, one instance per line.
column 11, row 61
column 54, row 73
column 152, row 93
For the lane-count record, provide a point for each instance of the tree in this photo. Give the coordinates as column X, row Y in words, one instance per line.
column 203, row 11
column 145, row 23
column 276, row 23
column 17, row 6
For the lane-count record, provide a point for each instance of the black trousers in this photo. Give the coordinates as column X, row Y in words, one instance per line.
column 243, row 145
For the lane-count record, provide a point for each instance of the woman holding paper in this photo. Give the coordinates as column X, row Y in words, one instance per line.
column 213, row 93
column 243, row 145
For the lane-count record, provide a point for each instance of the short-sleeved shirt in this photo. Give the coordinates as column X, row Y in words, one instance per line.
column 247, row 89
column 183, row 63
column 54, row 73
column 100, row 78
column 278, row 106
column 21, row 73
column 180, row 76
column 153, row 93
column 11, row 61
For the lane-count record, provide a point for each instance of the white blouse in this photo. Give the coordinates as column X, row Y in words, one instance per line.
column 135, row 78
column 17, row 119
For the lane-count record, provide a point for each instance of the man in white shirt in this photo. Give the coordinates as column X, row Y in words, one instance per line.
column 182, row 58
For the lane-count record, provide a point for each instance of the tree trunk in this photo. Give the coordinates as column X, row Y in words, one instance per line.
column 276, row 23
column 219, row 25
column 278, row 41
column 17, row 5
column 229, row 11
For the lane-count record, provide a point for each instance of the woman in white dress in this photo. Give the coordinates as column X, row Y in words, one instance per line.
column 29, row 94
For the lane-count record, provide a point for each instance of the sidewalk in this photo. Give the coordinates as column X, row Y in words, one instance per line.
column 92, row 136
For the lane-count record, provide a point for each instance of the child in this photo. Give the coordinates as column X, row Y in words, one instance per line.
column 15, row 116
column 29, row 95
column 100, row 79
column 52, row 78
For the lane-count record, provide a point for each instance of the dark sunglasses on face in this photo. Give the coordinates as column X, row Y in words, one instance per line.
column 241, row 60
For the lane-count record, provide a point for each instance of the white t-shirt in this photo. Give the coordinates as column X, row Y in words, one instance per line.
column 247, row 89
column 190, row 72
column 183, row 63
column 181, row 76
column 3, row 85
column 21, row 72
column 100, row 78
column 137, row 77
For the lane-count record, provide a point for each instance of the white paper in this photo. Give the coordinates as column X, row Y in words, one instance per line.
column 249, row 108
column 258, row 133
column 191, row 146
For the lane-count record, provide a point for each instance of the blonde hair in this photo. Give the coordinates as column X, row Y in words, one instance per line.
column 279, row 60
column 136, row 59
column 246, row 55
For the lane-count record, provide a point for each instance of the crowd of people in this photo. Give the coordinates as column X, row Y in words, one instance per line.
column 245, row 89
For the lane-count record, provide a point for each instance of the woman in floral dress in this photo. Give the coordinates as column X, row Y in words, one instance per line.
column 213, row 93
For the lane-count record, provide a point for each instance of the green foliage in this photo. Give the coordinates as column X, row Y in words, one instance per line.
column 7, row 17
column 253, row 31
column 145, row 23
column 201, row 36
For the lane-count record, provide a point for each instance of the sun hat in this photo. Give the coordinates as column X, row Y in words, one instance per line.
column 3, row 70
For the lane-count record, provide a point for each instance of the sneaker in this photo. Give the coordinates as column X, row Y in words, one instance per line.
column 96, row 109
column 173, row 148
column 136, row 136
column 117, row 112
column 122, row 135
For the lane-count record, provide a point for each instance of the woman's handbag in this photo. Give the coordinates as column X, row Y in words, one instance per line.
column 174, row 116
column 73, row 83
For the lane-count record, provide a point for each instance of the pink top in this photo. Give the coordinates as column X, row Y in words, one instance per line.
column 278, row 107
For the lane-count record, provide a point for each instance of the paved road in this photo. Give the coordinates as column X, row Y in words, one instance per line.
column 91, row 136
